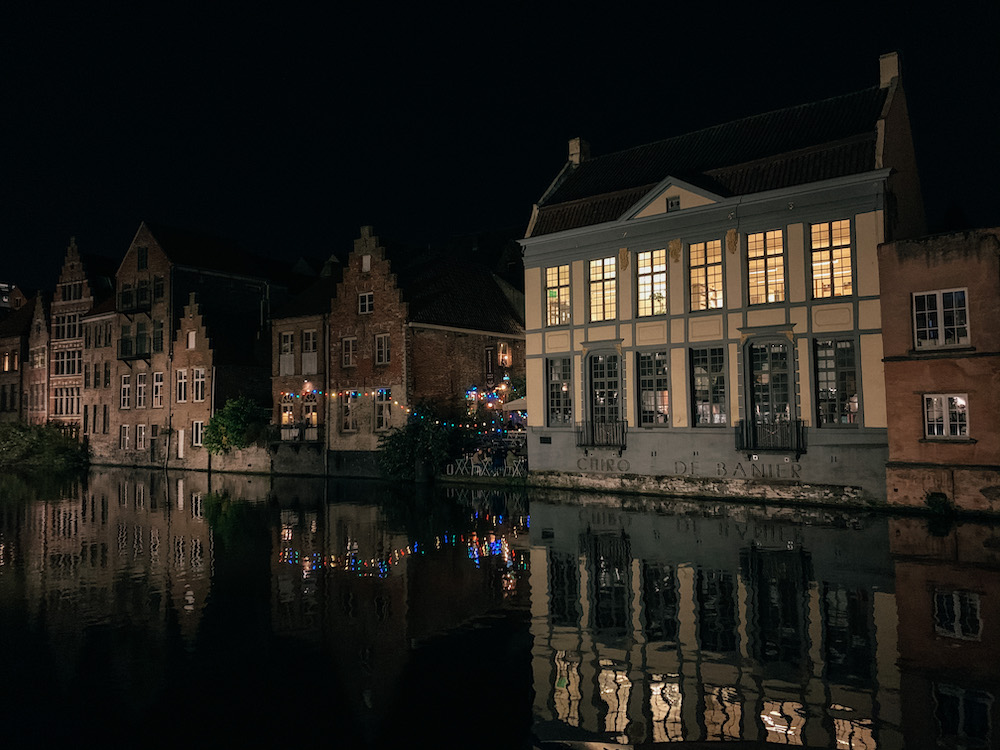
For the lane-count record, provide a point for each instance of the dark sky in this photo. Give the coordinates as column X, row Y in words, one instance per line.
column 288, row 130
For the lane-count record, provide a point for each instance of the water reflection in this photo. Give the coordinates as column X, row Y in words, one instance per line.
column 686, row 622
column 186, row 608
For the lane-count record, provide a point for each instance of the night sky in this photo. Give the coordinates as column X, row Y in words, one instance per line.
column 288, row 131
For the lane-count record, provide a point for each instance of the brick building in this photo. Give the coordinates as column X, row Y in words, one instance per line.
column 100, row 363
column 190, row 331
column 411, row 327
column 14, row 330
column 36, row 375
column 940, row 307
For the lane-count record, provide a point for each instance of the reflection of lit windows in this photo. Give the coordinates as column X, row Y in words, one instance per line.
column 566, row 691
column 854, row 733
column 615, row 687
column 705, row 268
column 665, row 707
column 831, row 259
column 723, row 713
column 766, row 267
column 603, row 289
column 946, row 415
column 651, row 275
column 940, row 319
column 956, row 614
column 783, row 721
column 557, row 295
column 963, row 716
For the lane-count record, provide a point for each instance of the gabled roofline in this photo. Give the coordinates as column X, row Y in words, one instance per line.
column 658, row 190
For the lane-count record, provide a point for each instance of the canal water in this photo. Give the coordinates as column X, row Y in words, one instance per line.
column 188, row 609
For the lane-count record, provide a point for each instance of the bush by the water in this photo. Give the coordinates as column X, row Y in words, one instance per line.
column 422, row 445
column 39, row 448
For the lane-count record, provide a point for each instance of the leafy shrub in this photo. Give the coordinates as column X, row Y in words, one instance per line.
column 423, row 442
column 238, row 424
column 39, row 448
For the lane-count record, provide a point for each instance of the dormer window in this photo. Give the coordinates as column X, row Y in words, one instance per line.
column 673, row 203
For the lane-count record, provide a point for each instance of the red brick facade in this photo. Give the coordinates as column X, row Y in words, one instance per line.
column 940, row 307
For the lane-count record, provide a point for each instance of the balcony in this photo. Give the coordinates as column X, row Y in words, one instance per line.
column 609, row 434
column 776, row 437
column 296, row 434
column 134, row 347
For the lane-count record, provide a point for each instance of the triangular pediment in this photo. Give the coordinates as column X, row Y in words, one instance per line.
column 669, row 196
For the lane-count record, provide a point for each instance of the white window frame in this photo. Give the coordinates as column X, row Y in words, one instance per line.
column 651, row 283
column 126, row 392
column 157, row 390
column 197, row 383
column 946, row 416
column 140, row 392
column 383, row 409
column 603, row 287
column 123, row 438
column 366, row 303
column 383, row 353
column 349, row 351
column 197, row 433
column 181, row 387
column 140, row 437
column 959, row 323
column 557, row 296
column 956, row 622
column 349, row 405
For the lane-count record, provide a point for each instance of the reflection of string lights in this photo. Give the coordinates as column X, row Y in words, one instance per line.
column 493, row 546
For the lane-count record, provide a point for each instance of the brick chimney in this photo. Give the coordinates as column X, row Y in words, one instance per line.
column 888, row 69
column 579, row 150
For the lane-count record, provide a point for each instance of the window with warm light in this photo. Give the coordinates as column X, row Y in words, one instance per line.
column 603, row 290
column 287, row 410
column 310, row 409
column 946, row 416
column 651, row 280
column 766, row 267
column 560, row 398
column 836, row 382
column 831, row 259
column 940, row 319
column 705, row 270
column 708, row 386
column 557, row 295
column 654, row 389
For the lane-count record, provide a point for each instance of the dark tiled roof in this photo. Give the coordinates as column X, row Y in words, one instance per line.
column 209, row 253
column 18, row 323
column 786, row 147
column 313, row 300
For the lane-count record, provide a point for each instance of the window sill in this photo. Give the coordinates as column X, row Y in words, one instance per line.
column 949, row 441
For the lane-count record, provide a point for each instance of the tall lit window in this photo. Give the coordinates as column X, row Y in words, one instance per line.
column 836, row 382
column 708, row 386
column 181, row 394
column 557, row 295
column 766, row 267
column 940, row 319
column 831, row 259
column 310, row 409
column 382, row 349
column 383, row 409
column 603, row 289
column 705, row 268
column 198, row 383
column 287, row 410
column 560, row 400
column 946, row 415
column 651, row 274
column 654, row 390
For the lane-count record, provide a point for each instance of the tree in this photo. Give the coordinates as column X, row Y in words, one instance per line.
column 238, row 424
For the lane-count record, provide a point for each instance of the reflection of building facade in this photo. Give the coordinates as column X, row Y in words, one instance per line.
column 949, row 633
column 667, row 628
column 940, row 306
column 706, row 308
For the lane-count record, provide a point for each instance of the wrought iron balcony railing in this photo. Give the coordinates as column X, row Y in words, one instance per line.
column 609, row 434
column 134, row 347
column 787, row 436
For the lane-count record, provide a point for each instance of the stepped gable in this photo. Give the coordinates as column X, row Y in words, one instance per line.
column 782, row 148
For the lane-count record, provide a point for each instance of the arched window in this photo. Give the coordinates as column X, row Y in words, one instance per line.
column 287, row 410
